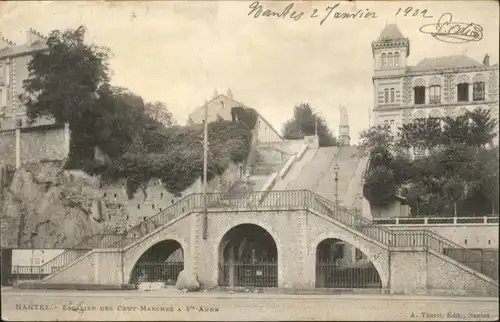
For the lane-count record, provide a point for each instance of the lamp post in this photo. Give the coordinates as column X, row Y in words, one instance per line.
column 205, row 170
column 336, row 169
column 33, row 234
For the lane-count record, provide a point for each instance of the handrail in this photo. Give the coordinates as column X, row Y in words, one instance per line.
column 297, row 199
column 450, row 220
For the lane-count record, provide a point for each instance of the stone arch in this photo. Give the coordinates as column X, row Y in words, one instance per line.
column 132, row 258
column 419, row 82
column 378, row 256
column 253, row 249
column 462, row 79
column 479, row 78
column 383, row 60
column 419, row 114
column 389, row 60
column 435, row 81
column 338, row 266
column 396, row 59
column 435, row 113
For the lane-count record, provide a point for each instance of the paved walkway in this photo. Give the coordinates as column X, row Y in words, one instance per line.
column 29, row 305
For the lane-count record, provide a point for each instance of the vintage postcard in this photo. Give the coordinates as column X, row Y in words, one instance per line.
column 249, row 160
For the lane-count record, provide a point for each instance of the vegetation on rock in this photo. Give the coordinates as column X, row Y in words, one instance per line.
column 458, row 175
column 306, row 121
column 70, row 81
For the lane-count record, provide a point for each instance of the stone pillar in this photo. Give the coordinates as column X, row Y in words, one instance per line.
column 231, row 267
column 18, row 147
column 471, row 87
column 67, row 139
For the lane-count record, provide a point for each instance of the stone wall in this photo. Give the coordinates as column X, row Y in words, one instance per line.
column 43, row 143
column 155, row 198
column 39, row 143
column 8, row 147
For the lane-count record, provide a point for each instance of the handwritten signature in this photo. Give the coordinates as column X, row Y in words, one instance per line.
column 446, row 30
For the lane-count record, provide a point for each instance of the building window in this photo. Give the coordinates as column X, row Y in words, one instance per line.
column 435, row 94
column 419, row 94
column 392, row 95
column 396, row 59
column 463, row 92
column 2, row 74
column 389, row 59
column 383, row 60
column 478, row 91
column 386, row 95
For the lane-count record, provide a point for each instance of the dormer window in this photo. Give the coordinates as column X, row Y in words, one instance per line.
column 396, row 59
column 478, row 87
column 383, row 60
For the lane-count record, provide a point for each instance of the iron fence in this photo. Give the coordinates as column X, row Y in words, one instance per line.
column 261, row 274
column 166, row 272
column 330, row 275
column 28, row 273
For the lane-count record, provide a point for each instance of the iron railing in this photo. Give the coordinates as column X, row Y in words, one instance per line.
column 430, row 240
column 166, row 272
column 240, row 274
column 27, row 273
column 402, row 221
column 330, row 275
column 289, row 199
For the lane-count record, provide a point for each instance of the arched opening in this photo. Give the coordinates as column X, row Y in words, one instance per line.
column 341, row 265
column 160, row 263
column 248, row 257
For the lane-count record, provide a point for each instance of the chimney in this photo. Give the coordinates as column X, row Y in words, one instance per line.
column 5, row 42
column 229, row 93
column 486, row 60
column 33, row 36
column 215, row 94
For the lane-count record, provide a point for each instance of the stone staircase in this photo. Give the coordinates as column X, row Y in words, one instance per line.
column 302, row 199
column 269, row 160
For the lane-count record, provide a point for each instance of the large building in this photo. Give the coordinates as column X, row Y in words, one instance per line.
column 219, row 107
column 14, row 60
column 20, row 141
column 434, row 87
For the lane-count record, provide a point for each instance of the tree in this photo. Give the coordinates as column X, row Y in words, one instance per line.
column 424, row 133
column 159, row 112
column 456, row 130
column 377, row 136
column 482, row 127
column 305, row 122
column 64, row 82
column 380, row 187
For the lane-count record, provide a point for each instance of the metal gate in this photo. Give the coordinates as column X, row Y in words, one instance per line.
column 260, row 274
column 156, row 272
column 332, row 275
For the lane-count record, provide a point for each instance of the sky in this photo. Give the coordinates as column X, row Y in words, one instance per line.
column 180, row 52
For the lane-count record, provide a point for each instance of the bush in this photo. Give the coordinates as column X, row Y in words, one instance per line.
column 175, row 155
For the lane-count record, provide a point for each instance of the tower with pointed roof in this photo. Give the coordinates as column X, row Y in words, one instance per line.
column 390, row 51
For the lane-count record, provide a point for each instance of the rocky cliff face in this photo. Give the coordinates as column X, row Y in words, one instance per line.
column 44, row 206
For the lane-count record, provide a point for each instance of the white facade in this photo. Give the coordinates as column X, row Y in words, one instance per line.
column 435, row 87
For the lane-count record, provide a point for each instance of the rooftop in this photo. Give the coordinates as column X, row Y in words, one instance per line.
column 390, row 32
column 445, row 62
column 35, row 41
